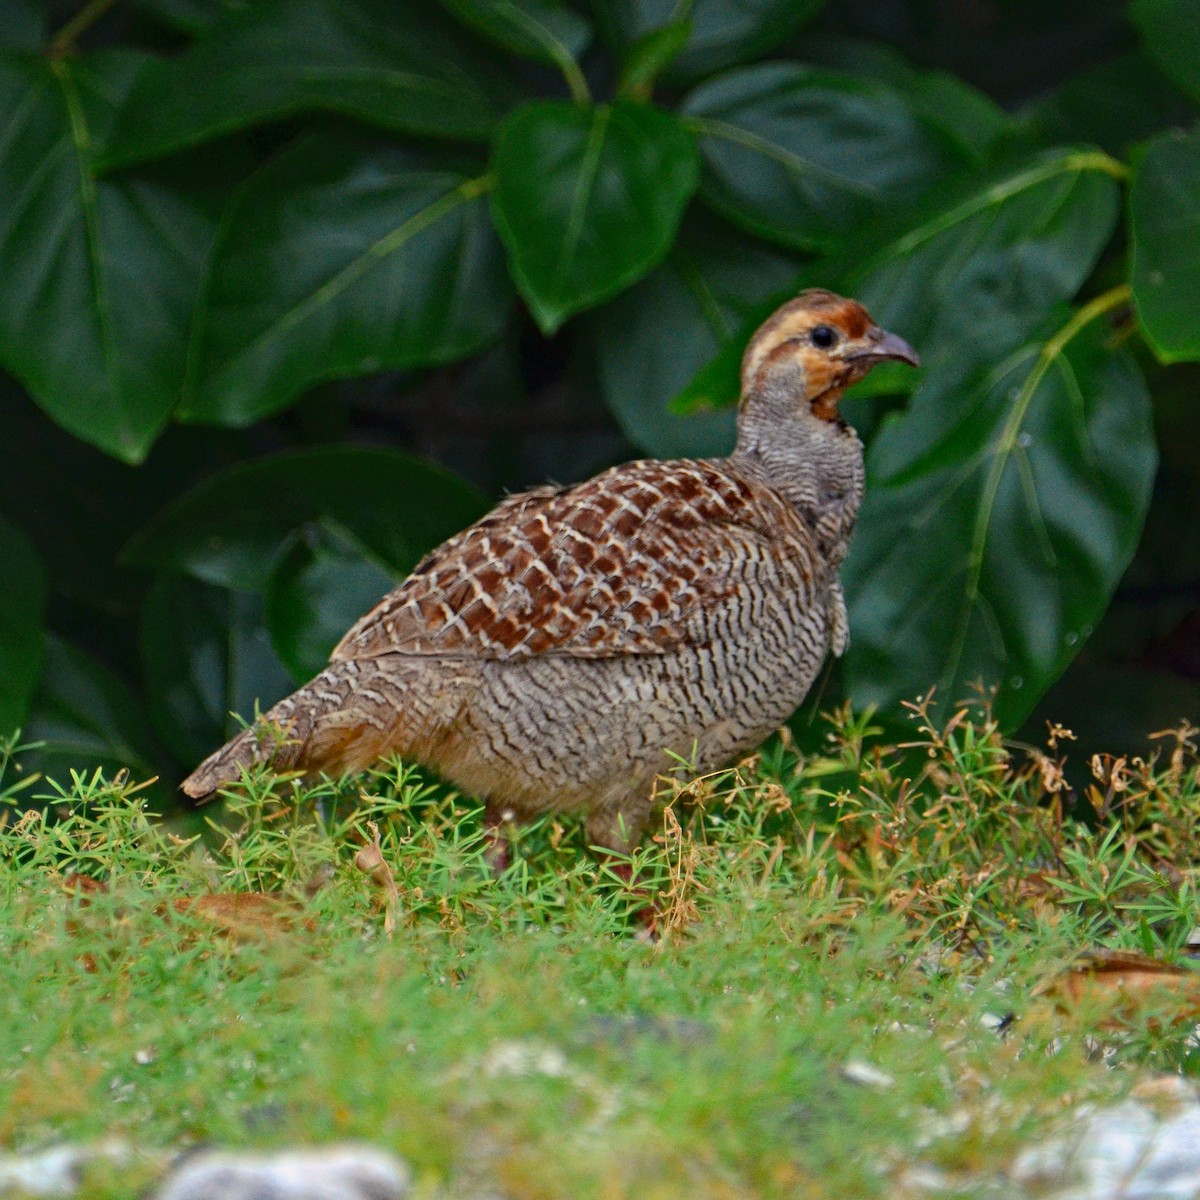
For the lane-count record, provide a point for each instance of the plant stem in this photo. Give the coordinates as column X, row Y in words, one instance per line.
column 562, row 58
column 64, row 40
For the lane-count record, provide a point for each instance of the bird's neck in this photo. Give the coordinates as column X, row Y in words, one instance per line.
column 814, row 462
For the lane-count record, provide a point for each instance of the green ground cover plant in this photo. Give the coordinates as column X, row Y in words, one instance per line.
column 264, row 261
column 850, row 979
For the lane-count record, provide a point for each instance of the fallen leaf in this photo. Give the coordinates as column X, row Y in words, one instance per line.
column 83, row 885
column 1125, row 986
column 244, row 916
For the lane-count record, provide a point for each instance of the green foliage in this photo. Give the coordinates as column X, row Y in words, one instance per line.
column 225, row 665
column 838, row 909
column 588, row 199
column 1049, row 466
column 402, row 67
column 306, row 223
column 1165, row 207
column 806, row 157
column 22, row 599
column 334, row 261
column 1172, row 34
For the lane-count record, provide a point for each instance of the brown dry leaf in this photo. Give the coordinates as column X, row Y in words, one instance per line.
column 371, row 862
column 1126, row 986
column 676, row 909
column 243, row 916
column 83, row 886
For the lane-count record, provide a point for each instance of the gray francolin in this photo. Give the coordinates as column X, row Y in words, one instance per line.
column 555, row 655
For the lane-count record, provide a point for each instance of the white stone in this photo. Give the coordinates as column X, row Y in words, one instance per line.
column 1126, row 1152
column 344, row 1172
column 55, row 1171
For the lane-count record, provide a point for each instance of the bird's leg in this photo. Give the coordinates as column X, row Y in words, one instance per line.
column 496, row 849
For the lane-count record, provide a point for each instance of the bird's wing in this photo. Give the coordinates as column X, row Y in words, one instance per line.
column 621, row 564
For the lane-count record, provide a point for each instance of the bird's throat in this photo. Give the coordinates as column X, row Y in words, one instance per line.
column 825, row 404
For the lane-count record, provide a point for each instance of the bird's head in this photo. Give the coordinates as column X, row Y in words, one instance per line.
column 813, row 348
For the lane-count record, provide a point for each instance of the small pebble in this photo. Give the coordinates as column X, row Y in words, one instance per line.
column 330, row 1173
column 857, row 1071
column 56, row 1171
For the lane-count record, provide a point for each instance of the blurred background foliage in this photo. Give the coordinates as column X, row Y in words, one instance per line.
column 290, row 290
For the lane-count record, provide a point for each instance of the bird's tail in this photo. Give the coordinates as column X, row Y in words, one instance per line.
column 320, row 727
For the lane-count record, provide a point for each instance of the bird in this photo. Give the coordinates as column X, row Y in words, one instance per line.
column 562, row 652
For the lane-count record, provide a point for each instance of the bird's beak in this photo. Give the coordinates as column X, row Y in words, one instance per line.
column 882, row 346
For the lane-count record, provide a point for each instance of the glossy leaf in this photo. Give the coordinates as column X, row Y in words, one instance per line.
column 22, row 599
column 22, row 24
column 650, row 341
column 188, row 16
column 1113, row 104
column 323, row 582
column 970, row 121
column 229, row 530
column 206, row 655
column 86, row 716
column 588, row 199
column 342, row 257
column 723, row 32
column 805, row 156
column 1170, row 30
column 89, row 504
column 548, row 30
column 1000, row 514
column 100, row 276
column 1015, row 242
column 1164, row 209
column 650, row 55
column 401, row 66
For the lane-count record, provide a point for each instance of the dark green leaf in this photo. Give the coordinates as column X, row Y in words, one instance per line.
column 1011, row 245
column 978, row 266
column 543, row 29
column 587, row 199
column 323, row 582
column 22, row 598
column 401, row 66
column 22, row 24
column 724, row 32
column 189, row 16
column 1113, row 708
column 1171, row 32
column 206, row 655
column 649, row 342
column 1113, row 104
column 86, row 716
column 80, row 506
column 1001, row 511
column 342, row 257
column 806, row 156
column 650, row 55
column 229, row 530
column 1164, row 209
column 101, row 276
column 970, row 121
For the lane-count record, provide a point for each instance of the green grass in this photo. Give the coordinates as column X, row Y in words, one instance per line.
column 867, row 906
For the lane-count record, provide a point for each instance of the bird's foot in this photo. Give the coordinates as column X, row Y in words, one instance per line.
column 497, row 851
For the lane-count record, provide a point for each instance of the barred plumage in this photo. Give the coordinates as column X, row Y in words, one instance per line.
column 556, row 653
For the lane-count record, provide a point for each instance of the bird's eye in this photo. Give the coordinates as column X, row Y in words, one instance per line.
column 823, row 336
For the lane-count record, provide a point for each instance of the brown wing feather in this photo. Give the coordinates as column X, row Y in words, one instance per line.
column 612, row 566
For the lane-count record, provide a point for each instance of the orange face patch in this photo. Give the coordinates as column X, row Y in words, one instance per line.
column 785, row 335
